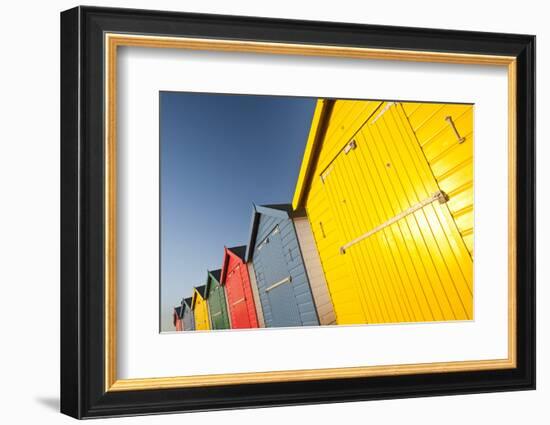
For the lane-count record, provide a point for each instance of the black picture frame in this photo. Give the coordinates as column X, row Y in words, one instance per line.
column 82, row 212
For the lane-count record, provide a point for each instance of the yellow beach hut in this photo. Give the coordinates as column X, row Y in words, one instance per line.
column 388, row 191
column 200, row 308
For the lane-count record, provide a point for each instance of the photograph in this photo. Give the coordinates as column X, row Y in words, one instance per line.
column 285, row 212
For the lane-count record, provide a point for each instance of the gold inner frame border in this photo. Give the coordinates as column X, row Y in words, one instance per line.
column 112, row 41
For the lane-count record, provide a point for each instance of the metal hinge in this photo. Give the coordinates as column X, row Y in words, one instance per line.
column 279, row 283
column 325, row 173
column 449, row 119
column 439, row 196
column 240, row 300
column 350, row 146
column 322, row 229
column 266, row 240
column 382, row 112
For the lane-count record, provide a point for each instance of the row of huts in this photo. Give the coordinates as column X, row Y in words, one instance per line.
column 380, row 229
column 274, row 281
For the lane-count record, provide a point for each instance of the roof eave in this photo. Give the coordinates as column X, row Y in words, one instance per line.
column 255, row 223
column 193, row 300
column 322, row 111
column 209, row 278
column 252, row 233
column 224, row 265
column 262, row 209
column 207, row 284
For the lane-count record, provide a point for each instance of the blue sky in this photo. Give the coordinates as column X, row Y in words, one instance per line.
column 219, row 154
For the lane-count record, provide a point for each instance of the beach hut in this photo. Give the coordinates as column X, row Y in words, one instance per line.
column 200, row 308
column 177, row 319
column 188, row 317
column 217, row 304
column 288, row 294
column 388, row 190
column 238, row 290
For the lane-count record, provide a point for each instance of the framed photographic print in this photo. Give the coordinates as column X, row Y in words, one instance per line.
column 261, row 212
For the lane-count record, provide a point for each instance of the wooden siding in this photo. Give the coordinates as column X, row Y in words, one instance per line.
column 256, row 294
column 452, row 163
column 178, row 323
column 200, row 310
column 217, row 305
column 188, row 320
column 240, row 299
column 291, row 303
column 419, row 268
column 317, row 281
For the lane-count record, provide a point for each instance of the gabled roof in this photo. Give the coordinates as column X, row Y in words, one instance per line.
column 200, row 289
column 178, row 314
column 317, row 130
column 184, row 306
column 211, row 275
column 178, row 311
column 275, row 210
column 287, row 208
column 187, row 302
column 197, row 290
column 238, row 252
column 216, row 274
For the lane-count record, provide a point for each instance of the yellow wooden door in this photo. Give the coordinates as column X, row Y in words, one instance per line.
column 202, row 321
column 416, row 268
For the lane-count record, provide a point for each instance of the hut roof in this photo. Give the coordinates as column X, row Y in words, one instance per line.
column 178, row 311
column 275, row 210
column 212, row 274
column 201, row 290
column 239, row 251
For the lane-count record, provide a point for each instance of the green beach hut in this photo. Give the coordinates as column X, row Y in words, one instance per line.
column 217, row 304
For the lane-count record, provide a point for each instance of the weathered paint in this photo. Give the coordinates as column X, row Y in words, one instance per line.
column 215, row 297
column 238, row 291
column 256, row 294
column 200, row 309
column 283, row 283
column 419, row 268
column 188, row 318
column 177, row 318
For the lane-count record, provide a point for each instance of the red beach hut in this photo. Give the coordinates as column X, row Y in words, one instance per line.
column 178, row 318
column 240, row 299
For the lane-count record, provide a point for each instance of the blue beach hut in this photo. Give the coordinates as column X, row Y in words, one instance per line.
column 285, row 289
